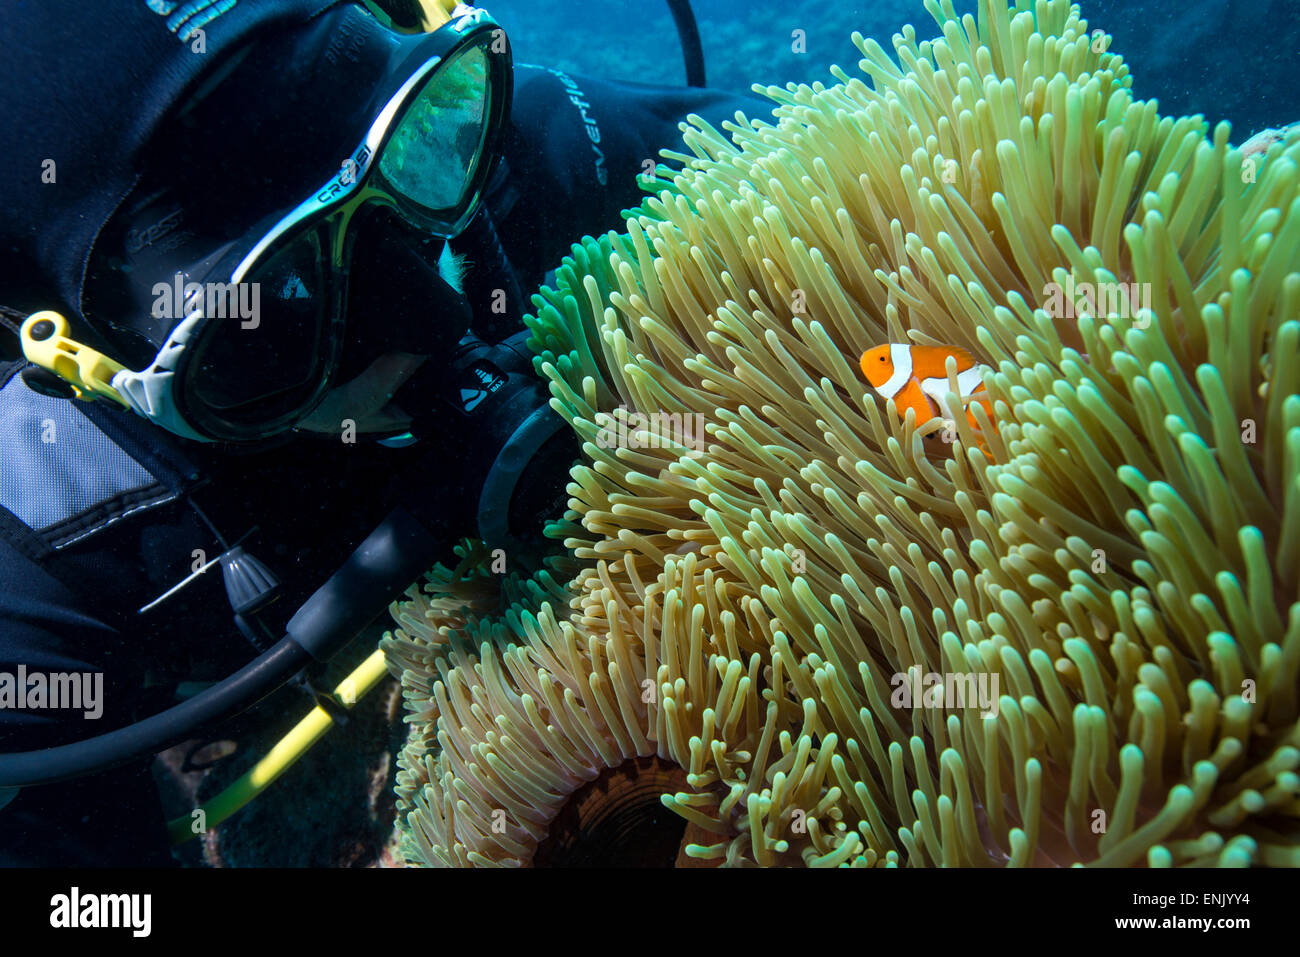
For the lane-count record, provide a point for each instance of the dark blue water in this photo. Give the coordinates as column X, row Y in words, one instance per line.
column 1226, row 60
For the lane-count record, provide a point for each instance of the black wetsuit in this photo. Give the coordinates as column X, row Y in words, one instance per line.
column 108, row 525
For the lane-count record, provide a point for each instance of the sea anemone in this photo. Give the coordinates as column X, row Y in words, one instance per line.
column 754, row 611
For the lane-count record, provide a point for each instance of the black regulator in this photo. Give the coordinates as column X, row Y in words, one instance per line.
column 497, row 439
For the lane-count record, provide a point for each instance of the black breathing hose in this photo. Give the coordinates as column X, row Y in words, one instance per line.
column 395, row 554
column 141, row 740
column 689, row 35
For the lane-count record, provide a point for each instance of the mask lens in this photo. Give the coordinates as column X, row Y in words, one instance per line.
column 263, row 360
column 432, row 155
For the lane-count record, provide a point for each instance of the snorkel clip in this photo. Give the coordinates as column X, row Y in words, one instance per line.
column 89, row 372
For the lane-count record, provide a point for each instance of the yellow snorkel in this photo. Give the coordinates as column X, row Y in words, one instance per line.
column 414, row 16
column 278, row 760
column 437, row 12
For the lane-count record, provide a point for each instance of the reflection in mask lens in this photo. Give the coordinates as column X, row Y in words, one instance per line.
column 273, row 361
column 433, row 152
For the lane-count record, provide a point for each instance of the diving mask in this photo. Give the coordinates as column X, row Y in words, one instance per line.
column 250, row 337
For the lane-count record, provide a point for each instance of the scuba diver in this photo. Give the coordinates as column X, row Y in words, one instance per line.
column 266, row 263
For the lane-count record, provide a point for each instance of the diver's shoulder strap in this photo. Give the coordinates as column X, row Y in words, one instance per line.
column 72, row 469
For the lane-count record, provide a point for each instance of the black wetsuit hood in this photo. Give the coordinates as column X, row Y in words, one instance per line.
column 81, row 97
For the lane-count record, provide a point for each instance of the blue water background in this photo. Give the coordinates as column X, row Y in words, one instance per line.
column 1222, row 59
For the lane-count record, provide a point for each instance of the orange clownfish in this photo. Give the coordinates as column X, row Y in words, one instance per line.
column 916, row 377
